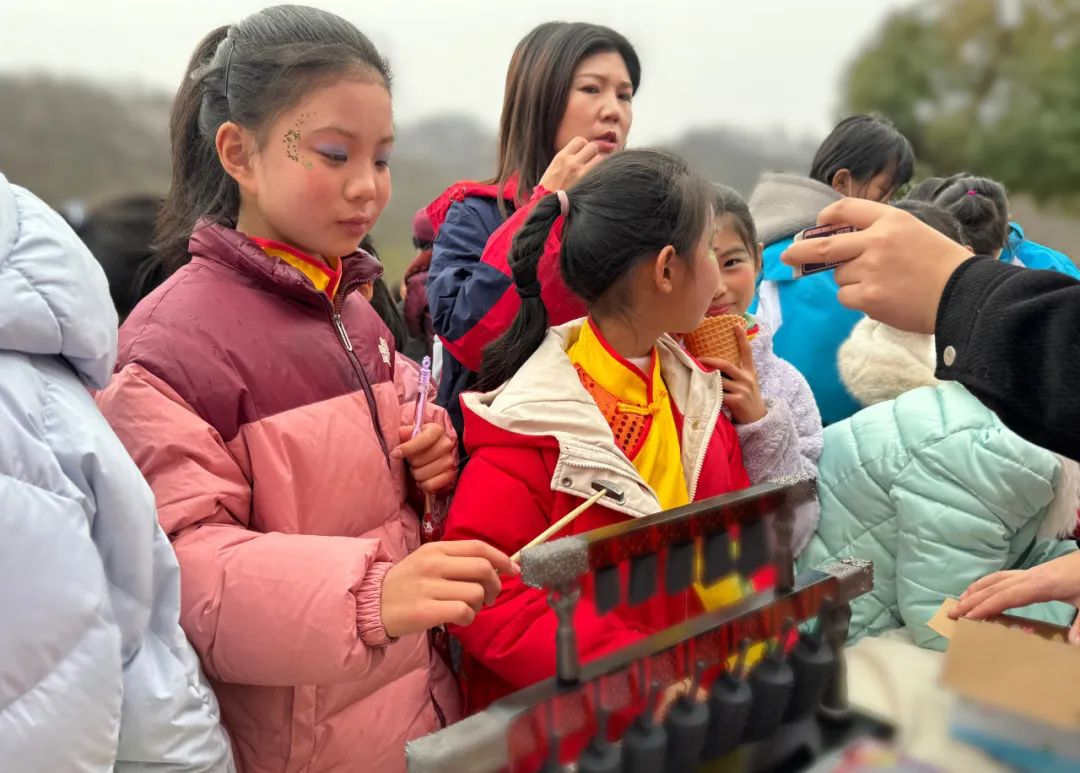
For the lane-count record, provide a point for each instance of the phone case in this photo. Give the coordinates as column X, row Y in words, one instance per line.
column 818, row 232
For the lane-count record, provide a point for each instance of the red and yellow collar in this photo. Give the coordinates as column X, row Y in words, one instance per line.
column 323, row 277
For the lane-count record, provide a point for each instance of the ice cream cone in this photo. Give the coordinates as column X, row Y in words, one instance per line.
column 715, row 338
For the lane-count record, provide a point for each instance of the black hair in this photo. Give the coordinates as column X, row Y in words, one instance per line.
column 386, row 307
column 622, row 212
column 928, row 188
column 422, row 244
column 940, row 219
column 979, row 203
column 248, row 73
column 866, row 146
column 729, row 203
column 118, row 233
column 383, row 302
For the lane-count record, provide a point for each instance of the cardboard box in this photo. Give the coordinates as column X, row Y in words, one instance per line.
column 1019, row 684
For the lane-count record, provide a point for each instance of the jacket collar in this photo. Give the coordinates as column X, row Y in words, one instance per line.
column 1013, row 242
column 460, row 191
column 545, row 399
column 227, row 246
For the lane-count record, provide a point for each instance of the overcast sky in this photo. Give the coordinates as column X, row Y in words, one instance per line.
column 757, row 64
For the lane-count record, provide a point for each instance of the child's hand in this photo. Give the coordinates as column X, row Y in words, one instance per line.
column 570, row 163
column 431, row 455
column 742, row 393
column 671, row 694
column 441, row 582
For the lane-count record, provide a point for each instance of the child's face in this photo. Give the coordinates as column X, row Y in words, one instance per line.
column 694, row 275
column 737, row 270
column 322, row 177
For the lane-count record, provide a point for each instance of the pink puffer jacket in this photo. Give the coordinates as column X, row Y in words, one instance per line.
column 263, row 416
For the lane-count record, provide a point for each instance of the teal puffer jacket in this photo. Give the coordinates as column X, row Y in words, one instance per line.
column 935, row 490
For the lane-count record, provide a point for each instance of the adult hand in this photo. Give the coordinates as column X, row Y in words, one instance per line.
column 1057, row 580
column 441, row 582
column 742, row 393
column 895, row 267
column 431, row 455
column 570, row 164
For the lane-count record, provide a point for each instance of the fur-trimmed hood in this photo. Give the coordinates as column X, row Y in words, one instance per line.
column 879, row 363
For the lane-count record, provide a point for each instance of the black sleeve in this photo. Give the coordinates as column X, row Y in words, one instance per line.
column 1011, row 335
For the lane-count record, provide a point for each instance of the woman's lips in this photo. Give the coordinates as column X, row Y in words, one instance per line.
column 607, row 142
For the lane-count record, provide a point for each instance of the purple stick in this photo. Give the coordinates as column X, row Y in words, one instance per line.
column 421, row 400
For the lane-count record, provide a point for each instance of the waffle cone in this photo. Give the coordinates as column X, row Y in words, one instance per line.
column 715, row 337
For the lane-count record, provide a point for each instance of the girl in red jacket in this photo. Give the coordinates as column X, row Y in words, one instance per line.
column 610, row 396
column 567, row 107
column 260, row 395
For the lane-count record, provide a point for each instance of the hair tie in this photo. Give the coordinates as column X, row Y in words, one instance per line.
column 972, row 193
column 530, row 290
column 564, row 202
column 228, row 64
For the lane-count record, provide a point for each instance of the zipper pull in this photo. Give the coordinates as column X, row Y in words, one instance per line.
column 344, row 336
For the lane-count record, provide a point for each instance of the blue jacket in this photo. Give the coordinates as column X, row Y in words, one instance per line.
column 94, row 669
column 462, row 289
column 931, row 486
column 1021, row 251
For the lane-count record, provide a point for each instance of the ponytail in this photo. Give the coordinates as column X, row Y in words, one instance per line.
column 982, row 207
column 199, row 183
column 505, row 356
column 619, row 214
column 940, row 219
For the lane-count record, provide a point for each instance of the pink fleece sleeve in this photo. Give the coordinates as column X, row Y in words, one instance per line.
column 260, row 608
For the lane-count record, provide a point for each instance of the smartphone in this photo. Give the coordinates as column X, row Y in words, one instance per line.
column 818, row 232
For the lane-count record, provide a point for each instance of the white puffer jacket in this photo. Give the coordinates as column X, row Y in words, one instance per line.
column 95, row 673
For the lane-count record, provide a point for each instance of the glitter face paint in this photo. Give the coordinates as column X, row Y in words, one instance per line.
column 292, row 142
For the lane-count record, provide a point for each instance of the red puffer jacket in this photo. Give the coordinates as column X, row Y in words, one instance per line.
column 536, row 446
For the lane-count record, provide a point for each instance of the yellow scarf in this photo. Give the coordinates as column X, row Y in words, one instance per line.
column 638, row 410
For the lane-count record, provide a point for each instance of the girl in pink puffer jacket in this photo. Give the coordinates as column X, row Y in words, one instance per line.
column 262, row 398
